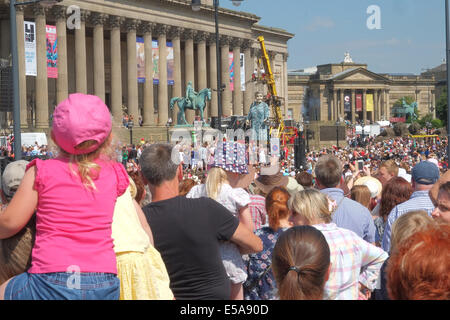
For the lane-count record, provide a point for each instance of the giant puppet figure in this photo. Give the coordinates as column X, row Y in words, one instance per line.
column 259, row 116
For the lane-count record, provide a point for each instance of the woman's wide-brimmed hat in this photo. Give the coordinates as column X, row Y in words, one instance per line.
column 374, row 185
column 266, row 183
column 231, row 157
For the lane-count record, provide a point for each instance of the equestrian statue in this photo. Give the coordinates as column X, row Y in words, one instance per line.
column 410, row 109
column 193, row 101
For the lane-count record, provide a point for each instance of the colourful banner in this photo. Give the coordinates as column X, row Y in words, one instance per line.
column 359, row 105
column 347, row 103
column 140, row 57
column 155, row 59
column 30, row 49
column 369, row 102
column 52, row 52
column 231, row 70
column 170, row 62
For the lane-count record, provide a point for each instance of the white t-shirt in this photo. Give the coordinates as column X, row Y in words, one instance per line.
column 231, row 198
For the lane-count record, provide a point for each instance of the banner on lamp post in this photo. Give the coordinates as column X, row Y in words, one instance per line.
column 30, row 49
column 52, row 52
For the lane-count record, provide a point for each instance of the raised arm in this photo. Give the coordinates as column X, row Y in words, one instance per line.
column 246, row 240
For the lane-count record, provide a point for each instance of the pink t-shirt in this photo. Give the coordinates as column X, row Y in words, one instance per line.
column 73, row 223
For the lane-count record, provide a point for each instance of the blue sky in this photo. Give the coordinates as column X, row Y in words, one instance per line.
column 411, row 38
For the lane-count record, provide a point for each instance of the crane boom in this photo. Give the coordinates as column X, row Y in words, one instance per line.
column 275, row 101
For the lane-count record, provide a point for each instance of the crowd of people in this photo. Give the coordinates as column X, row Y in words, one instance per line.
column 103, row 220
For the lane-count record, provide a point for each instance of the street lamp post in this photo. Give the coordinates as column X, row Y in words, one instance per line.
column 196, row 6
column 130, row 127
column 15, row 69
column 168, row 124
column 338, row 123
column 447, row 36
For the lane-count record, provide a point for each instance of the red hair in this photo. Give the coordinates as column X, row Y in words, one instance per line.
column 396, row 191
column 420, row 268
column 276, row 206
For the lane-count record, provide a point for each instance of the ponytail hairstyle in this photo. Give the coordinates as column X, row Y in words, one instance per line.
column 300, row 263
column 216, row 178
column 277, row 206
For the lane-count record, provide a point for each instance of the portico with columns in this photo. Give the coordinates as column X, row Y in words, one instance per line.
column 100, row 57
column 350, row 92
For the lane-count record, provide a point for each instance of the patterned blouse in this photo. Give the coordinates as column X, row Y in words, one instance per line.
column 257, row 263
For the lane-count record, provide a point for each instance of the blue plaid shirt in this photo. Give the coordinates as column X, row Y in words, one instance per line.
column 352, row 215
column 420, row 200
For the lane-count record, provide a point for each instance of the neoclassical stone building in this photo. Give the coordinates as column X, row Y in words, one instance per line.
column 349, row 91
column 100, row 57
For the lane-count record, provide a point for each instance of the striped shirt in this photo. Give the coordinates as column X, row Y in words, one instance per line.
column 420, row 200
column 353, row 261
column 258, row 211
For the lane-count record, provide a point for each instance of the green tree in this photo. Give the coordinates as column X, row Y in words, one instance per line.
column 441, row 107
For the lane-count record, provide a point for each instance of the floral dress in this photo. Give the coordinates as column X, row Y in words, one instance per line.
column 257, row 264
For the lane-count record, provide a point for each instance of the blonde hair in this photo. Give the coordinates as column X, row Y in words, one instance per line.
column 311, row 204
column 133, row 189
column 216, row 178
column 88, row 170
column 361, row 194
column 408, row 224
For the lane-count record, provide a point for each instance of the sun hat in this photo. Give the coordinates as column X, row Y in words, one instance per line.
column 403, row 174
column 231, row 157
column 81, row 118
column 266, row 183
column 12, row 176
column 426, row 173
column 244, row 180
column 293, row 186
column 374, row 185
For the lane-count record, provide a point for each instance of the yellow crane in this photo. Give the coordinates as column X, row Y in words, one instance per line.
column 274, row 100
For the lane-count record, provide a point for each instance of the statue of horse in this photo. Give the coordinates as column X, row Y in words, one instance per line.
column 410, row 110
column 200, row 102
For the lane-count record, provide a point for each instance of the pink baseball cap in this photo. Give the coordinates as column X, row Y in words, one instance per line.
column 81, row 118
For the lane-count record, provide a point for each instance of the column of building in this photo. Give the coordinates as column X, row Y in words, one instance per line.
column 189, row 64
column 341, row 106
column 163, row 104
column 335, row 106
column 364, row 106
column 214, row 110
column 376, row 106
column 132, row 83
column 202, row 76
column 148, row 114
column 227, row 109
column 115, row 23
column 175, row 34
column 98, row 20
column 353, row 105
column 237, row 92
column 249, row 68
column 80, row 54
column 41, row 58
column 388, row 107
column 62, row 82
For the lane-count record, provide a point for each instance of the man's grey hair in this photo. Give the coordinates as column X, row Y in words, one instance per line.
column 157, row 165
column 328, row 171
